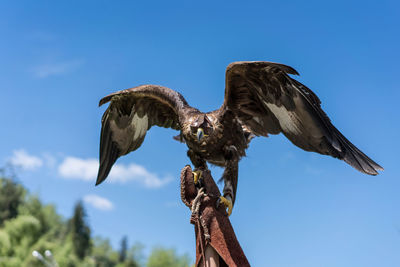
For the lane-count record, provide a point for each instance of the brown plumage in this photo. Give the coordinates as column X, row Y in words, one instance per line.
column 260, row 99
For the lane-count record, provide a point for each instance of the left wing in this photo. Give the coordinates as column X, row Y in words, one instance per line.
column 130, row 114
column 267, row 101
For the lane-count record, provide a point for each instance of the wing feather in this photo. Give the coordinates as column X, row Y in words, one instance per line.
column 130, row 115
column 267, row 100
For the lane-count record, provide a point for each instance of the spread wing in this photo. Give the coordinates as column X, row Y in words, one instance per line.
column 130, row 115
column 267, row 101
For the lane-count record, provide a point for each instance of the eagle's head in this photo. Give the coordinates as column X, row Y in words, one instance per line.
column 202, row 128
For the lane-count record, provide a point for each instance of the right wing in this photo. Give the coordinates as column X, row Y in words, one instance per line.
column 130, row 114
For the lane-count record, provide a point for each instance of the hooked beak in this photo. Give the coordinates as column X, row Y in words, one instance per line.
column 200, row 134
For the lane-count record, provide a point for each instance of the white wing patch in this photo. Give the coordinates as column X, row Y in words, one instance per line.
column 125, row 136
column 140, row 125
column 287, row 119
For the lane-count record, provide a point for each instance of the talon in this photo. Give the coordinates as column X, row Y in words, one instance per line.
column 197, row 176
column 227, row 203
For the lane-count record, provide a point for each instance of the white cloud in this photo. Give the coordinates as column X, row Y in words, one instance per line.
column 133, row 172
column 98, row 202
column 22, row 159
column 86, row 169
column 50, row 69
column 76, row 168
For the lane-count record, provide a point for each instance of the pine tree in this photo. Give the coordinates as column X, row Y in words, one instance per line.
column 80, row 232
column 123, row 249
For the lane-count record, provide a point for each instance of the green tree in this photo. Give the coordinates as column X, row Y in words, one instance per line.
column 161, row 257
column 27, row 225
column 11, row 196
column 123, row 249
column 21, row 233
column 46, row 214
column 80, row 231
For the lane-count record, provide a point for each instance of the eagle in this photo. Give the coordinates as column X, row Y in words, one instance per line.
column 261, row 98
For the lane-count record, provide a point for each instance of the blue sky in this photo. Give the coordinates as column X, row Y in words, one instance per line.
column 293, row 208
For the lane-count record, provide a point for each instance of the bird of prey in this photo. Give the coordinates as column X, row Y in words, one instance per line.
column 261, row 98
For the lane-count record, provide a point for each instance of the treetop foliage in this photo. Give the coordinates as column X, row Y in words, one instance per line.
column 27, row 225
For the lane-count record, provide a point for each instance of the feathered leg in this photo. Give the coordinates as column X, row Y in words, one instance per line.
column 230, row 177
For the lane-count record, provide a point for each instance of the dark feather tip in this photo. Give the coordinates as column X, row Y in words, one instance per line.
column 99, row 181
column 101, row 176
column 104, row 100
